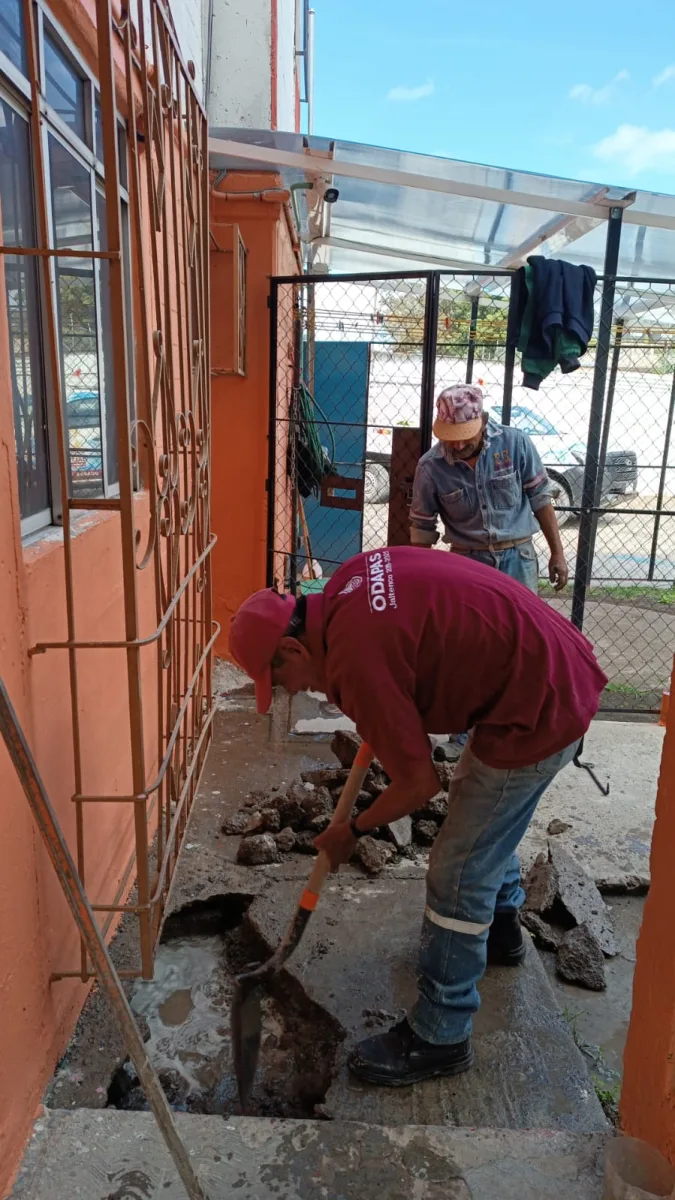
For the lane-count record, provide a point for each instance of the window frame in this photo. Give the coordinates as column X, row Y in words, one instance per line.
column 15, row 89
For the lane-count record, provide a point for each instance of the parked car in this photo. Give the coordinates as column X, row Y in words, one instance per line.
column 84, row 440
column 563, row 457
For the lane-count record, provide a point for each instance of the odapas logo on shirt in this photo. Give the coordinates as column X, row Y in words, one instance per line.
column 381, row 591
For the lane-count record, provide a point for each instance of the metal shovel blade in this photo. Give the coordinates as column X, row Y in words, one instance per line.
column 246, row 1022
column 246, row 1014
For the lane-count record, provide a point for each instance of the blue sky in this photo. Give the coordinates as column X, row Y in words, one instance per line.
column 584, row 89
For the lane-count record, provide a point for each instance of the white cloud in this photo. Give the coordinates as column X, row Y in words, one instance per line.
column 411, row 93
column 635, row 148
column 590, row 95
column 664, row 76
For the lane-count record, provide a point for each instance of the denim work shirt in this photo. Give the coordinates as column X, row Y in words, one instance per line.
column 494, row 501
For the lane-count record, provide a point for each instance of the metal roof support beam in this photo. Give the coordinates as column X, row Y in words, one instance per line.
column 425, row 260
column 275, row 158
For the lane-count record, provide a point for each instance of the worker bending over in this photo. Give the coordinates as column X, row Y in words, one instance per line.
column 407, row 643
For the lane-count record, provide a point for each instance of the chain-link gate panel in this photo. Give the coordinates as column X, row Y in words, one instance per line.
column 348, row 359
column 357, row 363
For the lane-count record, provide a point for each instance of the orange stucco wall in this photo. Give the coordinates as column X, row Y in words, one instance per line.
column 240, row 404
column 648, row 1091
column 37, row 934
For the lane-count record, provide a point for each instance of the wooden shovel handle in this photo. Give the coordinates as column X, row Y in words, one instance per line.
column 343, row 811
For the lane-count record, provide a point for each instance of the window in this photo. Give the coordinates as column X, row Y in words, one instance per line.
column 12, row 38
column 22, row 366
column 72, row 150
column 64, row 89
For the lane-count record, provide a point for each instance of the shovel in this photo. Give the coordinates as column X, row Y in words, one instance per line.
column 246, row 1018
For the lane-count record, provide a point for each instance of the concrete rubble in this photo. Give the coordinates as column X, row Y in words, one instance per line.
column 580, row 897
column 581, row 960
column 565, row 912
column 281, row 820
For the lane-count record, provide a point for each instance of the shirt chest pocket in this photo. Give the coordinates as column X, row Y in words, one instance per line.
column 505, row 491
column 458, row 505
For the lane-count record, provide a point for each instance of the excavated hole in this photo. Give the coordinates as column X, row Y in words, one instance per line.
column 185, row 1011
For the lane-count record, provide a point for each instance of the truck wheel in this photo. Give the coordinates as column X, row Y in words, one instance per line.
column 562, row 494
column 376, row 483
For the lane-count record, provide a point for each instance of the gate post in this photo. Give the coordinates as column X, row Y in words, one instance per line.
column 429, row 346
column 273, row 301
column 589, row 517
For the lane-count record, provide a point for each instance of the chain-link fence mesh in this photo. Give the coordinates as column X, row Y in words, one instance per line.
column 357, row 371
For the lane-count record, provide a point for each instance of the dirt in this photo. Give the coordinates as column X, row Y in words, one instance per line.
column 186, row 1011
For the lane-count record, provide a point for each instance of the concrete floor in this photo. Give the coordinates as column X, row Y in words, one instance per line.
column 113, row 1155
column 119, row 1156
column 356, row 967
column 610, row 835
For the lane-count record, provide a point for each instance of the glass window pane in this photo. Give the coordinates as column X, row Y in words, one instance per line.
column 12, row 35
column 76, row 291
column 64, row 88
column 20, row 353
column 98, row 128
column 106, row 373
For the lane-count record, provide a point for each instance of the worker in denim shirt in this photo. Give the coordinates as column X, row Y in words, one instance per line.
column 488, row 484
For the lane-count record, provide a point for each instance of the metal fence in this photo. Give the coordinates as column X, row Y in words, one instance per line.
column 357, row 362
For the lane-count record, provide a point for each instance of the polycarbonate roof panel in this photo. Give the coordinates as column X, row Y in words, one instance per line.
column 379, row 226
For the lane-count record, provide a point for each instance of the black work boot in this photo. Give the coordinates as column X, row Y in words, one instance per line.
column 400, row 1057
column 505, row 944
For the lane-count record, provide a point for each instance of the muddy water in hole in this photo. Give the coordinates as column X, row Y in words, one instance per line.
column 187, row 1010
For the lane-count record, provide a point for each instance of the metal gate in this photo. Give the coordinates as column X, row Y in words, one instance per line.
column 162, row 431
column 356, row 363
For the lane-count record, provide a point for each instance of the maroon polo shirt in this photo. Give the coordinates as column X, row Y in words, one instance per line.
column 412, row 641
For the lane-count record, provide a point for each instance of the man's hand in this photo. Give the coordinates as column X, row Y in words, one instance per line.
column 338, row 842
column 558, row 571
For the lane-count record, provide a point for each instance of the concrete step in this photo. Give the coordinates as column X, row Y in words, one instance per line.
column 357, row 961
column 112, row 1155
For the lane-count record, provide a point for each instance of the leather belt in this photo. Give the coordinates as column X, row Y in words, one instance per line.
column 492, row 549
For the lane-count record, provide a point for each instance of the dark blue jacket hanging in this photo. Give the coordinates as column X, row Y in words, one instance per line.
column 551, row 316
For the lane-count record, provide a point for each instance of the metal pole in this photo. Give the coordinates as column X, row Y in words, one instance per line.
column 107, row 977
column 295, row 482
column 120, row 379
column 589, row 516
column 272, row 433
column 429, row 345
column 509, row 363
column 662, row 482
column 611, row 388
column 310, row 70
column 471, row 352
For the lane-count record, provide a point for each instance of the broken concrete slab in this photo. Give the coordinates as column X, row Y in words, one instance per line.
column 557, row 826
column 359, row 954
column 373, row 854
column 88, row 1155
column 580, row 897
column 401, row 832
column 610, row 835
column 258, row 849
column 541, row 885
column 581, row 960
column 345, row 746
column 546, row 936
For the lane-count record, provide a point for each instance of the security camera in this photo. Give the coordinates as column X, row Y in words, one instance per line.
column 331, row 195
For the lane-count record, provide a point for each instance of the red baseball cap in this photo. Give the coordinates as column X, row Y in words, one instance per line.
column 256, row 630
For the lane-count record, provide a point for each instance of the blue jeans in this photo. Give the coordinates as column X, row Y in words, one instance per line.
column 473, row 872
column 520, row 562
